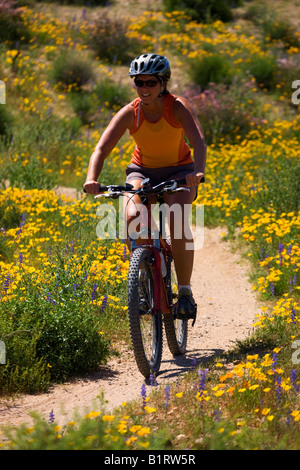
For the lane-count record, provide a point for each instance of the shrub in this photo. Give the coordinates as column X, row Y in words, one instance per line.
column 50, row 328
column 273, row 27
column 210, row 68
column 114, row 94
column 288, row 71
column 204, row 10
column 256, row 12
column 224, row 113
column 264, row 70
column 77, row 2
column 12, row 27
column 106, row 93
column 70, row 341
column 280, row 30
column 108, row 39
column 71, row 69
column 6, row 121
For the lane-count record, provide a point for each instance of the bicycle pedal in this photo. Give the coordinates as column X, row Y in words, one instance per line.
column 186, row 316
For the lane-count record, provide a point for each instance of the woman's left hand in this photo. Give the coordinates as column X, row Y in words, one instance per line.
column 193, row 179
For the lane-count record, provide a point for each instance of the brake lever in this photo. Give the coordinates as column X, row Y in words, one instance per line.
column 181, row 189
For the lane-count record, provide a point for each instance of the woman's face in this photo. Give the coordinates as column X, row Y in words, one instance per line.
column 145, row 89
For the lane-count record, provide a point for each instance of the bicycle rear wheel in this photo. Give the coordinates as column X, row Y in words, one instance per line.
column 145, row 325
column 176, row 329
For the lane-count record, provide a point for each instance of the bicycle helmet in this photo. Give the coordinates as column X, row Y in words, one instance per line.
column 150, row 64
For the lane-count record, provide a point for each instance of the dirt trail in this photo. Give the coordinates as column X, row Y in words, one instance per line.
column 226, row 312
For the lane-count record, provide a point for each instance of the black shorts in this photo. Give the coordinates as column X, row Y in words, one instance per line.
column 157, row 175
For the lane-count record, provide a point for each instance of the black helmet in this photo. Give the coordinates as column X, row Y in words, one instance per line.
column 150, row 64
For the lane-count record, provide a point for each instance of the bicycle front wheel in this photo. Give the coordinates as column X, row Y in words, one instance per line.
column 145, row 325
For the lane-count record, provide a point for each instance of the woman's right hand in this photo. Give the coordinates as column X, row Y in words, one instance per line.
column 91, row 187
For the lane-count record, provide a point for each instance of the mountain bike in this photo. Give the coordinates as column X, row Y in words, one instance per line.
column 152, row 284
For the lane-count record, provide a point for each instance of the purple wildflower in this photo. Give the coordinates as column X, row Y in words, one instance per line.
column 153, row 381
column 104, row 303
column 167, row 396
column 51, row 417
column 21, row 224
column 280, row 250
column 280, row 247
column 261, row 254
column 124, row 253
column 50, row 299
column 217, row 415
column 293, row 316
column 295, row 279
column 144, row 395
column 278, row 388
column 294, row 380
column 94, row 291
column 275, row 362
column 202, row 379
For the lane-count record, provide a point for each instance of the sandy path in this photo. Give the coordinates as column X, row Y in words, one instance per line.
column 226, row 312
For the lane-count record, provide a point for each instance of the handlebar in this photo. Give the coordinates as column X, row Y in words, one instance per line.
column 114, row 191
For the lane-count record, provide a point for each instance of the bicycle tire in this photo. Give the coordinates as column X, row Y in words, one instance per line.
column 176, row 330
column 145, row 325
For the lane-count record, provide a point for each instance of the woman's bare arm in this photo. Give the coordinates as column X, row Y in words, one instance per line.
column 117, row 127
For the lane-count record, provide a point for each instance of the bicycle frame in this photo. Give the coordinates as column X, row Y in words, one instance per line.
column 156, row 247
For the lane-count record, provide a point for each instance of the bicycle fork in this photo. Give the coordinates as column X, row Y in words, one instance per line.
column 160, row 292
column 161, row 303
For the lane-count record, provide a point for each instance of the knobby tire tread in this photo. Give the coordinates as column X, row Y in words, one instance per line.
column 174, row 346
column 139, row 256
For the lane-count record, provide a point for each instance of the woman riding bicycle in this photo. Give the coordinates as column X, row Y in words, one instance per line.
column 158, row 122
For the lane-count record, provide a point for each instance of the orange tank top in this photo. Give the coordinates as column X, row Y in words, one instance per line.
column 161, row 143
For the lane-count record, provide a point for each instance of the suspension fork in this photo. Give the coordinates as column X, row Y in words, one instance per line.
column 160, row 292
column 161, row 296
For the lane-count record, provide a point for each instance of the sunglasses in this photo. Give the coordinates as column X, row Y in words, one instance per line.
column 148, row 83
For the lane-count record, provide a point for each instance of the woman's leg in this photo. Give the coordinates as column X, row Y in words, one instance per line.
column 180, row 206
column 135, row 212
column 131, row 205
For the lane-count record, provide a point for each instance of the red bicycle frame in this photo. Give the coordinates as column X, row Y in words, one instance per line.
column 156, row 246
